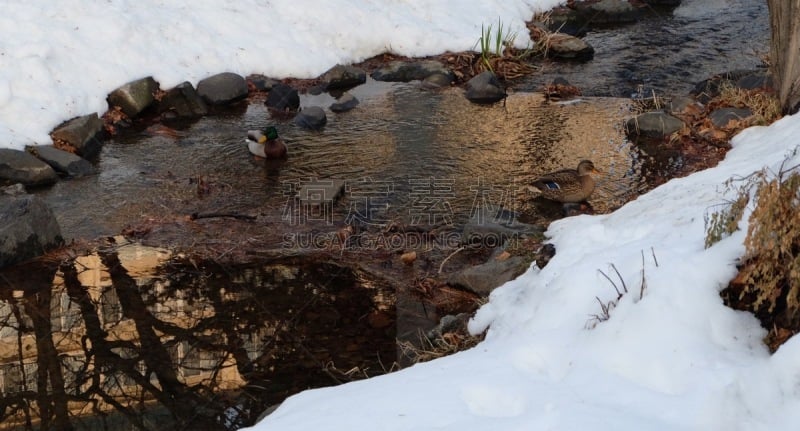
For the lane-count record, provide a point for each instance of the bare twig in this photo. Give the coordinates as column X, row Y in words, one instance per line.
column 644, row 280
column 441, row 266
column 197, row 216
column 619, row 294
column 624, row 287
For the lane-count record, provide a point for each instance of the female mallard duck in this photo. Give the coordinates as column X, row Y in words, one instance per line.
column 568, row 185
column 266, row 143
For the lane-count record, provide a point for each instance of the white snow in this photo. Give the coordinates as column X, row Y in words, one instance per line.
column 675, row 359
column 59, row 60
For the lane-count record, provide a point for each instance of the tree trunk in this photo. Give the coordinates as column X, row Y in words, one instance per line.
column 785, row 51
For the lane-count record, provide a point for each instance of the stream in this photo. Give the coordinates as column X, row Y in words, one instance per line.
column 146, row 336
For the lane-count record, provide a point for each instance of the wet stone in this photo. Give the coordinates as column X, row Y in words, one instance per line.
column 81, row 133
column 28, row 228
column 222, row 88
column 343, row 77
column 485, row 88
column 344, row 103
column 63, row 161
column 654, row 125
column 323, row 192
column 721, row 117
column 566, row 47
column 312, row 117
column 437, row 80
column 134, row 97
column 400, row 71
column 261, row 82
column 22, row 167
column 182, row 101
column 283, row 98
column 483, row 279
column 608, row 11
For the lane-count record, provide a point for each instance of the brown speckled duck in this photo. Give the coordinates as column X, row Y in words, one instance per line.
column 568, row 185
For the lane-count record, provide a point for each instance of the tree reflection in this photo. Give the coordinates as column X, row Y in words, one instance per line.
column 204, row 347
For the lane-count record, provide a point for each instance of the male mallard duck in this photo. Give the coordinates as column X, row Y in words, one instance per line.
column 266, row 143
column 568, row 185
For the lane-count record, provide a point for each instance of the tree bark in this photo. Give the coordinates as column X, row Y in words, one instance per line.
column 785, row 51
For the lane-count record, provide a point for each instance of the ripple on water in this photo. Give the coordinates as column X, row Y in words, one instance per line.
column 408, row 142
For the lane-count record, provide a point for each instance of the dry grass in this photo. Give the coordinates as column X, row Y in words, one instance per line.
column 765, row 106
column 427, row 349
column 768, row 283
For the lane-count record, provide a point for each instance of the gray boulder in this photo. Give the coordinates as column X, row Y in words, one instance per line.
column 344, row 77
column 182, row 101
column 653, row 125
column 566, row 47
column 62, row 161
column 485, row 88
column 608, row 11
column 222, row 88
column 483, row 279
column 261, row 82
column 721, row 117
column 81, row 133
column 283, row 98
column 437, row 80
column 22, row 167
column 401, row 71
column 134, row 97
column 28, row 227
column 312, row 117
column 344, row 103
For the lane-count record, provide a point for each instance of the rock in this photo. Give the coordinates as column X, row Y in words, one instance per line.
column 721, row 117
column 283, row 98
column 437, row 80
column 567, row 47
column 344, row 103
column 312, row 117
column 62, row 161
column 28, row 228
column 344, row 77
column 663, row 2
column 401, row 71
column 316, row 90
column 710, row 88
column 261, row 82
column 483, row 279
column 565, row 20
column 449, row 323
column 681, row 103
column 755, row 80
column 222, row 88
column 494, row 228
column 485, row 88
column 654, row 125
column 134, row 97
column 22, row 167
column 82, row 134
column 182, row 101
column 606, row 12
column 320, row 192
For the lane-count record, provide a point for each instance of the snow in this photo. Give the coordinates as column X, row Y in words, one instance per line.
column 59, row 60
column 674, row 359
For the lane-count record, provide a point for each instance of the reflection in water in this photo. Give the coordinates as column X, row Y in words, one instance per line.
column 400, row 135
column 107, row 343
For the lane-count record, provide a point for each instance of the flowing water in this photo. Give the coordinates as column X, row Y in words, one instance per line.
column 669, row 52
column 168, row 342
